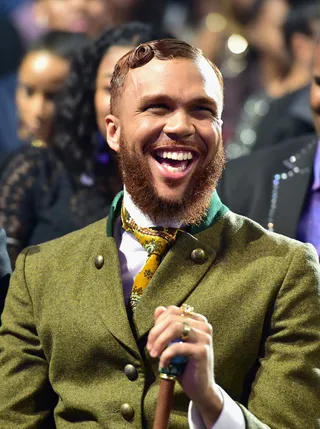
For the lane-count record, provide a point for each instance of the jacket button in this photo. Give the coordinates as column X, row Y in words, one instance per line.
column 127, row 412
column 131, row 372
column 99, row 261
column 198, row 256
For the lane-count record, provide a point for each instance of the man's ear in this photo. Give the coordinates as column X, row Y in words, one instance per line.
column 113, row 132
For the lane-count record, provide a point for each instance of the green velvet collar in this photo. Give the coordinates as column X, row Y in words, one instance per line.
column 215, row 211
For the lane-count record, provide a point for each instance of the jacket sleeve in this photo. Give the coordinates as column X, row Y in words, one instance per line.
column 26, row 397
column 286, row 390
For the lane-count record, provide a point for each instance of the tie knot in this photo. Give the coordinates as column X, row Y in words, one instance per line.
column 155, row 240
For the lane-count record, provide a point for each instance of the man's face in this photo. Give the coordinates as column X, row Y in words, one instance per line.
column 169, row 136
column 315, row 90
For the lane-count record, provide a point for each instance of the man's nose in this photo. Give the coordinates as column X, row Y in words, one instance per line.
column 38, row 104
column 179, row 125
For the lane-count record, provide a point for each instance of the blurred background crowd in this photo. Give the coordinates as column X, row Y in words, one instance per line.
column 57, row 57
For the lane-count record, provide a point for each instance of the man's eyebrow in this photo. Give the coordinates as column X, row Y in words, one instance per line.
column 207, row 101
column 162, row 98
column 146, row 99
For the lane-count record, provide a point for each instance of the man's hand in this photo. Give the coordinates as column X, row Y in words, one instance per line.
column 197, row 379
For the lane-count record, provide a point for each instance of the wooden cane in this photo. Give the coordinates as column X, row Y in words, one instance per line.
column 168, row 378
column 164, row 403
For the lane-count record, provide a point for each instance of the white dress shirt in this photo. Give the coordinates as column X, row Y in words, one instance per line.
column 132, row 259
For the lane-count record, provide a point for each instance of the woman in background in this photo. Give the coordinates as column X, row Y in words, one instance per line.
column 70, row 183
column 42, row 74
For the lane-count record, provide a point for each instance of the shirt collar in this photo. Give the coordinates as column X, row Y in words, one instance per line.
column 215, row 211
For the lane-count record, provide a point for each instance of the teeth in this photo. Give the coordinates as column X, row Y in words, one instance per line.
column 174, row 169
column 179, row 156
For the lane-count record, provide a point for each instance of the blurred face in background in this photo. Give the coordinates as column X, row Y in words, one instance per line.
column 83, row 16
column 104, row 74
column 239, row 9
column 41, row 76
column 303, row 45
column 315, row 89
column 265, row 33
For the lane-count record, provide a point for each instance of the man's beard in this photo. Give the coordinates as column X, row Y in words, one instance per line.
column 191, row 209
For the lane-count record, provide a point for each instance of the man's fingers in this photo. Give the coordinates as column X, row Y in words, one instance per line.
column 158, row 312
column 177, row 311
column 192, row 330
column 163, row 324
column 171, row 324
column 198, row 352
column 199, row 317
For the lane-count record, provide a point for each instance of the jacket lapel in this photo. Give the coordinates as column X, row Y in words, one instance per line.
column 178, row 275
column 290, row 187
column 105, row 292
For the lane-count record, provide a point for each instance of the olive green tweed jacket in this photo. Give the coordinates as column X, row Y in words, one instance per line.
column 65, row 337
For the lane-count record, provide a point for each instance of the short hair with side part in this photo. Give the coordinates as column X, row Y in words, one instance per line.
column 163, row 49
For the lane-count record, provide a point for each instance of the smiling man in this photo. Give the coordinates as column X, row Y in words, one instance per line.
column 88, row 315
column 166, row 128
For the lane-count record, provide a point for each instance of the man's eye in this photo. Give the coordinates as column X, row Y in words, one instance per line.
column 317, row 80
column 50, row 96
column 204, row 109
column 157, row 107
column 29, row 91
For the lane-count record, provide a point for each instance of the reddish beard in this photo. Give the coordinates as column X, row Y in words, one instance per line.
column 194, row 203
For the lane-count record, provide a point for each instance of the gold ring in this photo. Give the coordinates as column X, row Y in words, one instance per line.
column 186, row 331
column 187, row 310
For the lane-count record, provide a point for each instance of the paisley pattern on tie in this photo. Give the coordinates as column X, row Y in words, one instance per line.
column 156, row 241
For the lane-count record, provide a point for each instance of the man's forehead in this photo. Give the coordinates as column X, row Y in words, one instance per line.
column 180, row 74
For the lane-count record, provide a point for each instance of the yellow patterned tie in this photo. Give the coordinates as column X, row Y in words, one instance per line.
column 156, row 242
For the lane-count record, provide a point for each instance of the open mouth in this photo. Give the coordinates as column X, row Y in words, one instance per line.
column 175, row 161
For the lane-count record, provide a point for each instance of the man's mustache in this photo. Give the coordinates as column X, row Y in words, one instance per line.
column 196, row 145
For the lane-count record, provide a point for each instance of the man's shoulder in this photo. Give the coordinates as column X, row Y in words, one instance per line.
column 242, row 235
column 68, row 246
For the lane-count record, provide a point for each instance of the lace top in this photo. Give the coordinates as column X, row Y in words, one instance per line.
column 40, row 202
